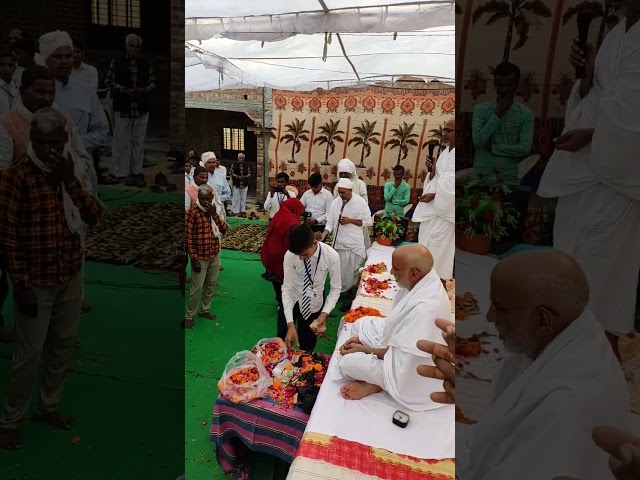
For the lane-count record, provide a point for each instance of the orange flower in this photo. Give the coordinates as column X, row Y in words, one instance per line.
column 277, row 384
column 318, row 367
column 288, row 366
column 360, row 312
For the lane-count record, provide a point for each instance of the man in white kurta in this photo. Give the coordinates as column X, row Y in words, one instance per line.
column 436, row 210
column 347, row 169
column 560, row 381
column 347, row 216
column 382, row 353
column 595, row 176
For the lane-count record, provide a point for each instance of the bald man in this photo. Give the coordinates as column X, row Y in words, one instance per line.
column 561, row 380
column 382, row 353
column 436, row 209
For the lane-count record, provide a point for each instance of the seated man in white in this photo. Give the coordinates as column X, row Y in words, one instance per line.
column 382, row 353
column 560, row 382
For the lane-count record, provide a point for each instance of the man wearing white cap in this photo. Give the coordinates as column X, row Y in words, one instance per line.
column 347, row 169
column 217, row 178
column 347, row 217
column 76, row 98
column 131, row 80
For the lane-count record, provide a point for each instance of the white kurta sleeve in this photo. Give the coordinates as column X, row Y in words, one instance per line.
column 288, row 291
column 187, row 201
column 267, row 202
column 336, row 286
column 332, row 216
column 364, row 214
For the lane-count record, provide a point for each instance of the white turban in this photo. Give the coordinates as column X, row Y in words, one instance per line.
column 51, row 41
column 346, row 166
column 345, row 183
column 205, row 157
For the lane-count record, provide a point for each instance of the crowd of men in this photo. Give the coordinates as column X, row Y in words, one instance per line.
column 52, row 129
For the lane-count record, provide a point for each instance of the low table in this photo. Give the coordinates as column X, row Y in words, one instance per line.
column 260, row 426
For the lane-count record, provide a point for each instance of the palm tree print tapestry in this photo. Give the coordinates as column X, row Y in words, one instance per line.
column 536, row 35
column 315, row 130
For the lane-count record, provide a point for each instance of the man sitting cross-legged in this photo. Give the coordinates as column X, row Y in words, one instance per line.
column 382, row 354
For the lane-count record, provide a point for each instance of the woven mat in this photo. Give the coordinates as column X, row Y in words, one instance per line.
column 630, row 353
column 147, row 235
column 247, row 238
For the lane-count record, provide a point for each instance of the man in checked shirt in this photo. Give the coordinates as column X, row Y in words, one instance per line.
column 203, row 229
column 47, row 207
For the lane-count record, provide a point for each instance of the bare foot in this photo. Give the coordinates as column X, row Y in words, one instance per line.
column 358, row 390
column 187, row 324
column 85, row 308
column 208, row 315
column 55, row 419
column 221, row 268
column 10, row 439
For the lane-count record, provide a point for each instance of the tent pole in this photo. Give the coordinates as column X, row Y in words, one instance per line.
column 265, row 144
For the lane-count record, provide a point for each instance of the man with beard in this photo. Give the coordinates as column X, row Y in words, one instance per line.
column 594, row 174
column 47, row 209
column 560, row 381
column 436, row 210
column 382, row 353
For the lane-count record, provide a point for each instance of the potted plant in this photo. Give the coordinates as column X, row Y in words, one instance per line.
column 389, row 229
column 482, row 213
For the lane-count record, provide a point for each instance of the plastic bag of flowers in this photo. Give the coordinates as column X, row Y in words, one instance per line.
column 244, row 378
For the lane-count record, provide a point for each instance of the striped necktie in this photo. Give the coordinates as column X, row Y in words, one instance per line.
column 305, row 303
column 10, row 96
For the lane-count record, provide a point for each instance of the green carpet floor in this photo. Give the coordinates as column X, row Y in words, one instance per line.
column 246, row 309
column 125, row 389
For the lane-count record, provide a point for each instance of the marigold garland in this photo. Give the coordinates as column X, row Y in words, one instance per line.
column 356, row 313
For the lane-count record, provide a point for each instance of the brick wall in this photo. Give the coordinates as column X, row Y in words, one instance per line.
column 36, row 17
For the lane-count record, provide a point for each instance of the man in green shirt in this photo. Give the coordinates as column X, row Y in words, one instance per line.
column 397, row 193
column 502, row 129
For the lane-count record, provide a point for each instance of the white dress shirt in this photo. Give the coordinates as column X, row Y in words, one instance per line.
column 87, row 74
column 325, row 261
column 188, row 178
column 8, row 95
column 317, row 204
column 272, row 203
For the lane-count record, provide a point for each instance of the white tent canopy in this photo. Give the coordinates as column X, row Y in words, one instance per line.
column 282, row 46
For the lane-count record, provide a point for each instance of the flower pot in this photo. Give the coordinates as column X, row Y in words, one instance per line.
column 478, row 244
column 384, row 241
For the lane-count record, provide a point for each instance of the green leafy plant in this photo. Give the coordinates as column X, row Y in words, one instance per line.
column 389, row 226
column 482, row 209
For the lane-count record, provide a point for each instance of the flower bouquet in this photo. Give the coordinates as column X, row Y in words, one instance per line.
column 357, row 313
column 482, row 213
column 244, row 378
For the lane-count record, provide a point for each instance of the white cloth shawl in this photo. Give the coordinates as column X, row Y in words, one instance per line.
column 50, row 42
column 359, row 187
column 412, row 318
column 544, row 410
column 219, row 212
column 349, row 237
column 611, row 108
column 443, row 185
column 71, row 211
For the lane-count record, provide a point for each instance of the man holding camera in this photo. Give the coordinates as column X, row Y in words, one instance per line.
column 277, row 195
column 317, row 201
